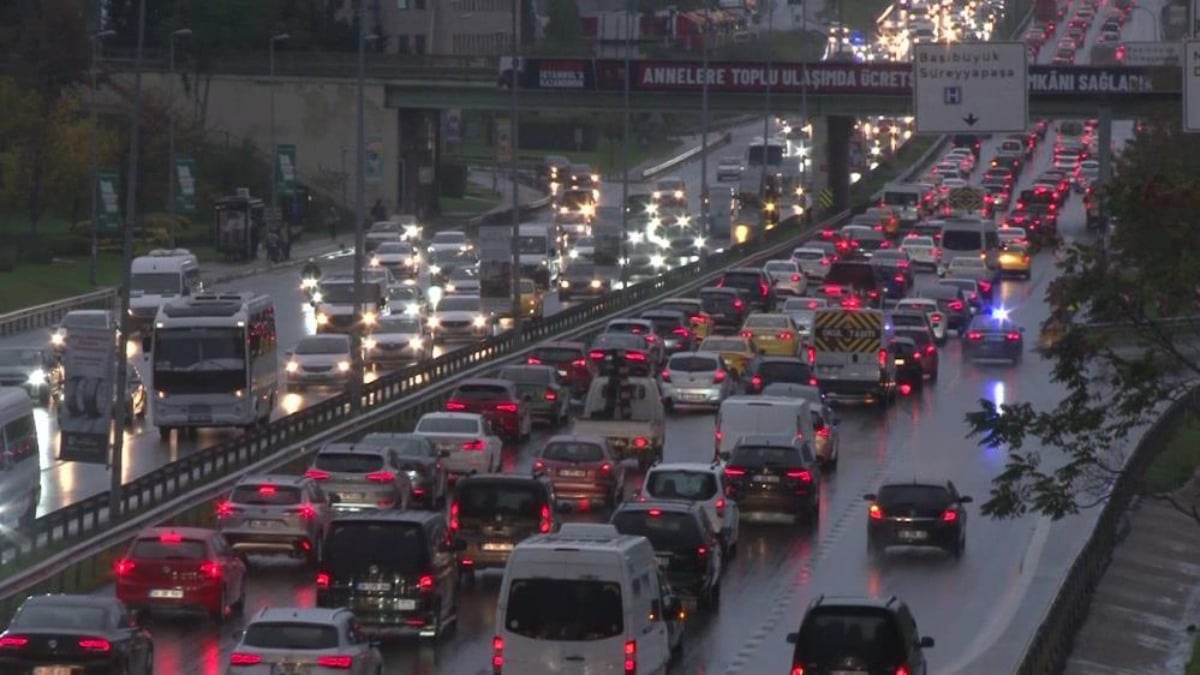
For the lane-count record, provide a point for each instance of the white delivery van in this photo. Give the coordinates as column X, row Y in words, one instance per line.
column 20, row 461
column 540, row 255
column 971, row 237
column 755, row 415
column 850, row 354
column 158, row 276
column 586, row 598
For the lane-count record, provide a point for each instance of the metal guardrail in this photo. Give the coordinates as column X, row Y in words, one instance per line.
column 49, row 314
column 721, row 141
column 1050, row 647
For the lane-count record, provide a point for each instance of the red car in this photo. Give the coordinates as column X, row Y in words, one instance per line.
column 570, row 359
column 182, row 568
column 498, row 402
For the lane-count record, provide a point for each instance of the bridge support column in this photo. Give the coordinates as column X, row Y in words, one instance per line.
column 817, row 176
column 838, row 135
column 419, row 145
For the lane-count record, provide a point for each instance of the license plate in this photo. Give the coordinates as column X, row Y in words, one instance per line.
column 496, row 546
column 53, row 670
column 376, row 586
column 899, row 362
column 290, row 669
column 351, row 496
column 663, row 560
column 829, row 369
column 913, row 535
column 572, row 474
column 262, row 523
column 766, row 479
column 995, row 338
column 406, row 605
column 562, row 373
column 691, row 397
column 168, row 593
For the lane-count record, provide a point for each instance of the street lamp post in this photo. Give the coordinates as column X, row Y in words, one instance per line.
column 171, row 172
column 97, row 37
column 274, row 148
column 704, row 123
column 762, row 184
column 624, row 261
column 514, row 144
column 360, row 215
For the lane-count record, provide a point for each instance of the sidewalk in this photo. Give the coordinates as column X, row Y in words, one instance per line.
column 1148, row 597
column 315, row 244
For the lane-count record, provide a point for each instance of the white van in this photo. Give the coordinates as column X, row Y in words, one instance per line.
column 158, row 276
column 588, row 598
column 750, row 415
column 540, row 255
column 20, row 462
column 971, row 237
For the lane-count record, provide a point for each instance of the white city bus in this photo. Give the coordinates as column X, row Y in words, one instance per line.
column 214, row 362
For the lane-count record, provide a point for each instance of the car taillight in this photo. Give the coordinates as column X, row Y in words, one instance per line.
column 666, row 375
column 242, row 659
column 381, row 477
column 631, row 657
column 606, row 468
column 475, row 445
column 797, row 670
column 533, row 361
column 734, row 472
column 702, row 553
column 756, row 382
column 224, row 509
column 211, row 569
column 985, row 286
column 749, row 335
column 1013, row 337
column 682, row 332
column 305, row 511
column 721, row 508
column 335, row 662
column 785, row 335
column 455, row 405
column 507, row 407
column 497, row 654
column 974, row 335
column 453, row 516
column 875, row 512
column 903, row 670
column 812, row 355
column 550, row 395
column 640, row 442
column 935, row 318
column 949, row 516
column 13, row 641
column 316, row 474
column 95, row 644
column 796, row 278
column 123, row 568
column 322, row 580
column 719, row 377
column 801, row 475
column 738, row 304
column 956, row 305
column 425, row 583
column 546, row 520
column 763, row 289
column 823, row 432
column 635, row 356
column 596, row 355
column 930, row 349
column 826, row 262
column 883, row 358
column 579, row 363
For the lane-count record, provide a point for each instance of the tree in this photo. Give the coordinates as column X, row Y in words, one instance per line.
column 1144, row 273
column 122, row 16
column 563, row 27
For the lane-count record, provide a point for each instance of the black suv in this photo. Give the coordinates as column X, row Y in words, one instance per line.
column 854, row 634
column 673, row 327
column 396, row 570
column 727, row 307
column 759, row 288
column 688, row 550
column 492, row 513
column 853, row 281
column 774, row 474
column 928, row 514
column 764, row 371
column 952, row 302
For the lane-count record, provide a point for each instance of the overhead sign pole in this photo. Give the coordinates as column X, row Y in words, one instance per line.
column 1191, row 86
column 971, row 87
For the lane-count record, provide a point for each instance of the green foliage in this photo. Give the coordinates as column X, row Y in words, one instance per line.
column 1147, row 271
column 563, row 26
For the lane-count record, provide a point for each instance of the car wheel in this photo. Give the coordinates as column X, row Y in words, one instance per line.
column 148, row 662
column 222, row 611
column 959, row 548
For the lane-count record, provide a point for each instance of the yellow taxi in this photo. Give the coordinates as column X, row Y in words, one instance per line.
column 1015, row 260
column 699, row 320
column 531, row 299
column 773, row 334
column 735, row 351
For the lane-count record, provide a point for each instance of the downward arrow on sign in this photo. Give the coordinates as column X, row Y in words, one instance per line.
column 970, row 119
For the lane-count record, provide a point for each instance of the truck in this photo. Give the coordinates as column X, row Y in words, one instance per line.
column 628, row 411
column 850, row 355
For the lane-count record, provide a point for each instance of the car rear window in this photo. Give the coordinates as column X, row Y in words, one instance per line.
column 786, row 371
column 858, row 275
column 548, row 609
column 348, row 462
column 742, row 279
column 290, row 636
column 759, row 455
column 626, row 327
column 691, row 485
column 666, row 530
column 767, row 321
column 556, row 355
column 665, row 324
column 447, row 425
column 693, row 364
column 485, row 499
column 483, row 391
column 808, row 255
column 352, row 548
column 167, row 548
column 716, row 302
column 921, row 337
column 917, row 320
column 573, row 452
column 838, row 632
column 919, row 496
column 526, row 375
column 267, row 495
column 72, row 617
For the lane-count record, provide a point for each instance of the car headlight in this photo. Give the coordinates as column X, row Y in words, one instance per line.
column 450, row 287
column 565, row 283
column 573, row 254
column 343, row 366
column 368, row 318
column 657, row 195
column 679, row 194
column 292, row 366
column 317, row 297
column 375, row 261
column 322, row 319
column 596, row 283
column 308, row 283
column 657, row 261
column 435, row 269
column 370, row 343
column 434, row 322
column 480, row 321
column 416, row 343
column 412, row 308
column 37, row 377
column 58, row 339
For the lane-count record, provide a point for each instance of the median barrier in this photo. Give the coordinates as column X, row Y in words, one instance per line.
column 715, row 140
column 50, row 313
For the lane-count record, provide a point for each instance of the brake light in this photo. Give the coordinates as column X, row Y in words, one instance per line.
column 171, row 538
column 550, row 395
column 335, row 662
column 453, row 516
column 738, row 304
column 899, row 278
column 381, row 477
column 606, row 468
column 719, row 377
column 93, row 644
column 316, row 474
column 306, row 511
column 985, row 286
column 266, row 489
column 475, row 445
column 702, row 553
column 635, row 356
column 533, row 361
column 883, row 358
column 823, row 432
column 903, row 670
column 796, row 278
column 763, row 289
column 801, row 475
column 666, row 375
column 875, row 512
column 13, row 641
column 579, row 363
column 734, row 472
column 640, row 442
column 425, row 583
column 812, row 355
column 930, row 349
column 322, row 580
column 721, row 508
column 1013, row 337
column 785, row 335
column 123, row 568
column 224, row 509
column 631, row 657
column 597, row 355
column 956, row 305
column 974, row 335
column 935, row 318
column 949, row 516
column 756, row 382
column 546, row 521
column 241, row 659
column 797, row 670
column 682, row 332
column 455, row 405
column 497, row 654
column 749, row 335
column 211, row 569
column 507, row 407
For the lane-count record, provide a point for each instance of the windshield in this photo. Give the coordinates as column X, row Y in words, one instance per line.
column 808, row 254
column 549, row 609
column 918, row 496
column 464, row 274
column 691, row 485
column 168, row 548
column 585, row 242
column 21, row 357
column 921, row 337
column 573, row 452
column 341, row 293
column 398, row 324
column 72, row 617
column 967, row 263
column 266, row 495
column 199, row 349
column 447, row 425
column 528, row 374
column 348, row 462
column 82, row 320
column 580, row 270
column 353, row 548
column 318, row 344
column 290, row 636
column 156, row 283
column 394, row 247
column 723, row 345
column 785, row 371
column 858, row 275
column 774, row 155
column 666, row 530
column 756, row 455
column 452, row 304
column 452, row 237
column 556, row 354
column 532, row 245
column 905, row 199
column 693, row 364
column 488, row 499
column 781, row 266
column 451, row 257
column 917, row 242
column 492, row 392
column 767, row 321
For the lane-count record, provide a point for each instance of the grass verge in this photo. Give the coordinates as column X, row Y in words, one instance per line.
column 29, row 285
column 1177, row 462
column 605, row 159
column 477, row 199
column 1193, row 667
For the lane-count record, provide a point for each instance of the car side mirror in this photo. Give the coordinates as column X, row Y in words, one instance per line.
column 869, row 497
column 966, row 499
column 926, row 643
column 793, row 638
column 146, row 345
column 724, row 455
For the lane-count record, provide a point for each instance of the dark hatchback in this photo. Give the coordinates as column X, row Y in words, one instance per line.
column 492, row 513
column 872, row 636
column 397, row 571
column 687, row 549
column 727, row 307
column 952, row 302
column 908, row 367
column 570, row 361
column 763, row 371
column 917, row 514
column 774, row 475
column 415, row 456
column 754, row 283
column 853, row 280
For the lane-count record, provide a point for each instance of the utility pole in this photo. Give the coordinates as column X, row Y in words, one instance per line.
column 172, row 173
column 360, row 214
column 624, row 261
column 117, row 465
column 97, row 37
column 762, row 183
column 271, row 95
column 705, row 226
column 514, row 144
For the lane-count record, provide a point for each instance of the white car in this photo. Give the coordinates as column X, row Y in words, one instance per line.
column 701, row 483
column 398, row 338
column 729, row 168
column 319, row 361
column 965, row 266
column 459, row 318
column 930, row 307
column 813, row 262
column 950, row 170
column 314, row 641
column 922, row 251
column 1009, row 235
column 963, row 156
column 463, row 281
column 401, row 257
column 802, row 311
column 787, row 277
column 466, row 442
column 450, row 240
